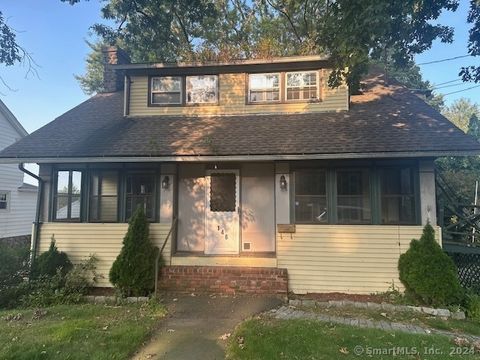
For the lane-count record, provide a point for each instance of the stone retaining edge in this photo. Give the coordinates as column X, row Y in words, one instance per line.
column 445, row 313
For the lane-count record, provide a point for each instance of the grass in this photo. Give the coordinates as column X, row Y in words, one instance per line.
column 84, row 331
column 264, row 338
column 468, row 326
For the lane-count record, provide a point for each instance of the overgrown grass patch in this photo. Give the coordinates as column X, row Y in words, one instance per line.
column 468, row 326
column 76, row 331
column 265, row 338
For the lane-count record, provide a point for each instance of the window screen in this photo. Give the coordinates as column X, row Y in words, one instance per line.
column 353, row 197
column 310, row 197
column 141, row 192
column 302, row 86
column 397, row 196
column 103, row 196
column 202, row 89
column 222, row 192
column 264, row 88
column 166, row 90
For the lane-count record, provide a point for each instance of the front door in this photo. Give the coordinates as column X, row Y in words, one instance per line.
column 222, row 212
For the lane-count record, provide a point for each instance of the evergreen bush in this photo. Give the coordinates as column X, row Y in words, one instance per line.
column 133, row 271
column 49, row 262
column 429, row 274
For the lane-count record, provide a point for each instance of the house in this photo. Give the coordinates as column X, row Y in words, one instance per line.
column 17, row 199
column 266, row 176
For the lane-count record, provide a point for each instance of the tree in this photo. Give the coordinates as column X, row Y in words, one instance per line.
column 11, row 52
column 133, row 270
column 428, row 273
column 474, row 126
column 472, row 73
column 460, row 112
column 351, row 32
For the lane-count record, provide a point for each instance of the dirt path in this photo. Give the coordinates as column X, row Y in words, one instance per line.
column 194, row 325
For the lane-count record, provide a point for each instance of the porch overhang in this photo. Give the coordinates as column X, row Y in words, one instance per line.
column 233, row 158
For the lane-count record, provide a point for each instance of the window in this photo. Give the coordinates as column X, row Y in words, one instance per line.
column 141, row 192
column 166, row 90
column 223, row 192
column 353, row 197
column 263, row 88
column 202, row 89
column 67, row 197
column 103, row 203
column 302, row 85
column 310, row 197
column 397, row 196
column 4, row 200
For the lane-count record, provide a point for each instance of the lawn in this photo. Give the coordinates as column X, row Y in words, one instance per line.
column 76, row 331
column 264, row 338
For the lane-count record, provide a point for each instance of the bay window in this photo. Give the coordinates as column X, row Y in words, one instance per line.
column 67, row 195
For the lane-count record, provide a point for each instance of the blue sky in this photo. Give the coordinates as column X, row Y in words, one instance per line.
column 55, row 33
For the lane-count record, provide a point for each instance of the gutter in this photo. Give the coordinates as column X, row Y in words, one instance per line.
column 213, row 158
column 36, row 223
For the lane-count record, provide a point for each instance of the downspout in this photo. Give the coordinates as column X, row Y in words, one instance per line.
column 36, row 223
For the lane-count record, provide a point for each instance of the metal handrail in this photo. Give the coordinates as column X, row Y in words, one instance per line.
column 174, row 223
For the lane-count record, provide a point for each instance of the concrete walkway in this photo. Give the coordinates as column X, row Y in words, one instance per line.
column 195, row 324
column 290, row 312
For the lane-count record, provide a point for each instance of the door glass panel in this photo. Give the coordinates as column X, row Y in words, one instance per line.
column 222, row 192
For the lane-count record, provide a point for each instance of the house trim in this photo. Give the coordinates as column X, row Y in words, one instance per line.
column 233, row 158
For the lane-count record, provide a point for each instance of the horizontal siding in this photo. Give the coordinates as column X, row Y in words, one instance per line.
column 349, row 259
column 104, row 241
column 18, row 219
column 232, row 100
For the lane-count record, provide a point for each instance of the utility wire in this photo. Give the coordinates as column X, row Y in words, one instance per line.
column 447, row 82
column 442, row 60
column 458, row 91
column 446, row 86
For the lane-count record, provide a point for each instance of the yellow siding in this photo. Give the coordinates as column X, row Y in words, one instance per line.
column 103, row 240
column 349, row 259
column 232, row 100
column 224, row 261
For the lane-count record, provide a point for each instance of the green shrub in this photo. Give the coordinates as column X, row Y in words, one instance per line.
column 13, row 270
column 61, row 288
column 473, row 306
column 48, row 263
column 132, row 273
column 428, row 273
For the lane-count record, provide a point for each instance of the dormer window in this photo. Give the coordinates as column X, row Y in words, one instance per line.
column 166, row 90
column 302, row 85
column 264, row 88
column 202, row 89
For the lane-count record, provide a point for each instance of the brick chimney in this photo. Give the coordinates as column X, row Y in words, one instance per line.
column 113, row 80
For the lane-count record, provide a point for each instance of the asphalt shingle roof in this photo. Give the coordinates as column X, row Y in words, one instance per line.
column 382, row 120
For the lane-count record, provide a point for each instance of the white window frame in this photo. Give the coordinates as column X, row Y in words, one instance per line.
column 202, row 102
column 302, row 72
column 265, row 101
column 165, row 92
column 7, row 200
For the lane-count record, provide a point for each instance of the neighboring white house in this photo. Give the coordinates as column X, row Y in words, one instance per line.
column 17, row 199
